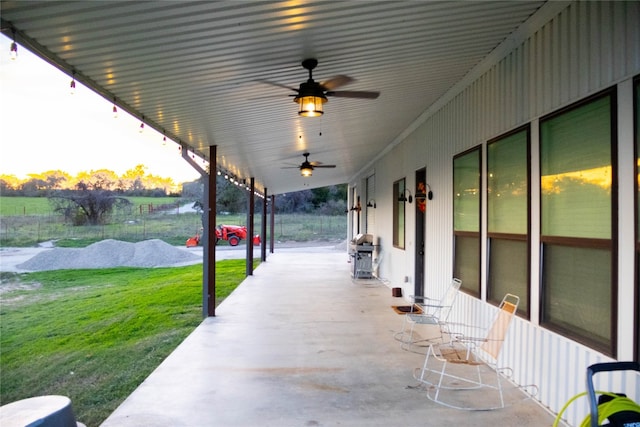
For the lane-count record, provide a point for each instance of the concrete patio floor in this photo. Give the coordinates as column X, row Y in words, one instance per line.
column 300, row 343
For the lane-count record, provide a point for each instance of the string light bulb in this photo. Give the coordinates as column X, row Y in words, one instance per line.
column 115, row 109
column 72, row 85
column 14, row 51
column 164, row 138
column 141, row 128
column 14, row 47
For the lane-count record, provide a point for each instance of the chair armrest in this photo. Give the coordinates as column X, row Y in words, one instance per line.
column 420, row 298
column 460, row 331
column 467, row 339
column 434, row 305
column 466, row 326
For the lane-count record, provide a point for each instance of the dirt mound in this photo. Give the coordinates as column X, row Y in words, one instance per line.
column 111, row 253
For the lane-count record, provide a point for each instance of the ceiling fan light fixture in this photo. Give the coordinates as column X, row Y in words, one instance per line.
column 310, row 105
column 306, row 170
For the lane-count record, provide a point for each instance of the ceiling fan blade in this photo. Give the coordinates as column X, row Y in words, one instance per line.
column 277, row 84
column 307, row 164
column 335, row 82
column 354, row 94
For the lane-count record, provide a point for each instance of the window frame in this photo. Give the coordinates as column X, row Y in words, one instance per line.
column 526, row 312
column 636, row 148
column 587, row 243
column 369, row 217
column 399, row 209
column 473, row 291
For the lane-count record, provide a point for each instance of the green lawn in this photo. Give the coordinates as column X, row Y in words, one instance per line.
column 17, row 206
column 95, row 335
column 11, row 206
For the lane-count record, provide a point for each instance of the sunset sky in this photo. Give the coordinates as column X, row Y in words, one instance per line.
column 44, row 127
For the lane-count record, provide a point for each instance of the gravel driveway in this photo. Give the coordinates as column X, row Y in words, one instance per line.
column 11, row 259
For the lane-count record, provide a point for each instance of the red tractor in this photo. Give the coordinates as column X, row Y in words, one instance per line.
column 231, row 233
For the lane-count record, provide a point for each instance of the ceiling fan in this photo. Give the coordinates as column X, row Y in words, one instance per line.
column 311, row 95
column 307, row 167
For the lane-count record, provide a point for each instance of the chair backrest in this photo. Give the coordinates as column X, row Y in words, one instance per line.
column 498, row 330
column 449, row 297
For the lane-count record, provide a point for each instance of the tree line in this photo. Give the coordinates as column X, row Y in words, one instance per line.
column 134, row 182
column 91, row 197
column 231, row 198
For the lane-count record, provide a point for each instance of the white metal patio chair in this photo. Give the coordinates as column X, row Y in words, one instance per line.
column 432, row 312
column 461, row 364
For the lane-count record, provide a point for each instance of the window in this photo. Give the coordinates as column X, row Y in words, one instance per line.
column 577, row 147
column 466, row 220
column 398, row 213
column 508, row 218
column 370, row 218
column 354, row 218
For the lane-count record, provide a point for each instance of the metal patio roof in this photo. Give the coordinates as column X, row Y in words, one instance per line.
column 197, row 70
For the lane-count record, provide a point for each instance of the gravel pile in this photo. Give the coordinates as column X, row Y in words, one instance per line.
column 111, row 253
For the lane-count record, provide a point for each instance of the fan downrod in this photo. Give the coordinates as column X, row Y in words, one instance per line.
column 310, row 64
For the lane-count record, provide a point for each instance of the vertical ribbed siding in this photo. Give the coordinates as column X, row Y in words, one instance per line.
column 583, row 50
column 588, row 47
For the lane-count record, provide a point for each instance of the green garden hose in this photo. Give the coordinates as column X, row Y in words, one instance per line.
column 605, row 410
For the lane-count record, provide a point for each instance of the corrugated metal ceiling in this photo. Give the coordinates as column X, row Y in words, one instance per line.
column 197, row 70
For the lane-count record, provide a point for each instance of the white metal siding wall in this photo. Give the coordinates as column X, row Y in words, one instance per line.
column 395, row 168
column 588, row 47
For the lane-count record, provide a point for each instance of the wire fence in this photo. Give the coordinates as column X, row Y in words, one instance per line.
column 173, row 225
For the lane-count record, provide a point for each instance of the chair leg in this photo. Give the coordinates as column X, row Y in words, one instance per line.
column 409, row 343
column 439, row 387
column 410, row 340
column 405, row 336
column 425, row 367
column 499, row 386
column 436, row 379
column 399, row 336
